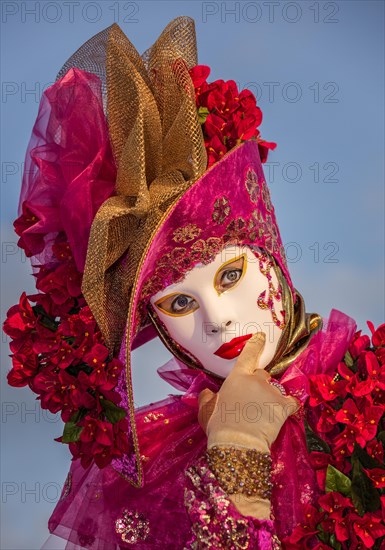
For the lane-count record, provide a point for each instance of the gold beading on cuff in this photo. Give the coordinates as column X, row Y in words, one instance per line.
column 246, row 471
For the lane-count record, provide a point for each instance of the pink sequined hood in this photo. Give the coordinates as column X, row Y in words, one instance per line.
column 230, row 204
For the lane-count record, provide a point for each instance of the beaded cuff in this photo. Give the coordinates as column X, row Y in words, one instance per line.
column 246, row 471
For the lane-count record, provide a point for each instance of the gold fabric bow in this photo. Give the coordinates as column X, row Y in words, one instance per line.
column 159, row 151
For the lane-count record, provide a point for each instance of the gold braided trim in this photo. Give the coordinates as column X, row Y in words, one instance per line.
column 245, row 471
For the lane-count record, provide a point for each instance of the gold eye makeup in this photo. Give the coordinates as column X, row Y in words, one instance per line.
column 230, row 273
column 177, row 304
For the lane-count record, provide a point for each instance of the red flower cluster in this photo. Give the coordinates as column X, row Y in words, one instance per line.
column 58, row 352
column 228, row 117
column 338, row 523
column 349, row 412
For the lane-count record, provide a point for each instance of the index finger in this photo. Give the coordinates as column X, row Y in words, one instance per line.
column 248, row 360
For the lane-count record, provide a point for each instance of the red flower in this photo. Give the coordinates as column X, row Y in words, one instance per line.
column 45, row 341
column 361, row 424
column 373, row 372
column 81, row 329
column 35, row 222
column 105, row 378
column 327, row 420
column 334, row 504
column 215, row 150
column 96, row 430
column 20, row 319
column 100, row 441
column 45, row 301
column 324, row 388
column 48, row 386
column 228, row 117
column 65, row 355
column 25, row 365
column 320, row 461
column 377, row 475
column 97, row 356
column 59, row 390
column 376, row 450
column 62, row 283
column 368, row 528
column 378, row 335
column 62, row 251
column 244, row 126
column 303, row 532
column 358, row 344
column 199, row 74
column 264, row 147
column 337, row 507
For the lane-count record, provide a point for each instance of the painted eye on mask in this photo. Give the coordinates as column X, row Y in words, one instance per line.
column 229, row 274
column 177, row 304
column 230, row 277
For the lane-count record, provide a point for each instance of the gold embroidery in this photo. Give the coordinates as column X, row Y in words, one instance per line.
column 221, row 210
column 253, row 229
column 266, row 197
column 132, row 527
column 215, row 527
column 244, row 471
column 236, row 231
column 186, row 233
column 205, row 250
column 152, row 416
column 252, row 185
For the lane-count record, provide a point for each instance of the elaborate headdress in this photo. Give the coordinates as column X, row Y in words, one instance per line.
column 118, row 164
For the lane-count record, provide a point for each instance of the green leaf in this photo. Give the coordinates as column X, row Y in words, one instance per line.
column 71, row 432
column 113, row 412
column 78, row 415
column 321, row 534
column 334, row 542
column 364, row 495
column 349, row 361
column 45, row 320
column 314, row 442
column 337, row 481
column 365, row 459
column 75, row 369
column 203, row 113
column 381, row 436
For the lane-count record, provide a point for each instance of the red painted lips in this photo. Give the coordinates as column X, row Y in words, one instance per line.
column 233, row 348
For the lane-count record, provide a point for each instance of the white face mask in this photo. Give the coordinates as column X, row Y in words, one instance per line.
column 220, row 303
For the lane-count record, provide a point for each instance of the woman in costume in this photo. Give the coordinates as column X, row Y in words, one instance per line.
column 145, row 204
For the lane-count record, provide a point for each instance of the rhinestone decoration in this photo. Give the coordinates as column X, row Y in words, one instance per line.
column 132, row 527
column 244, row 471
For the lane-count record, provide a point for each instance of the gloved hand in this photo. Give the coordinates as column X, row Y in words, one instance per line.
column 246, row 413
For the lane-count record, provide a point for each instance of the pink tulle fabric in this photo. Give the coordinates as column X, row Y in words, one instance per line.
column 99, row 508
column 69, row 167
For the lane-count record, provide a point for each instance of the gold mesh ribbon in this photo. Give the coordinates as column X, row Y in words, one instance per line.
column 159, row 150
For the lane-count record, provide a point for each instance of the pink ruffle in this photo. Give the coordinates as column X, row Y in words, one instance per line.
column 69, row 167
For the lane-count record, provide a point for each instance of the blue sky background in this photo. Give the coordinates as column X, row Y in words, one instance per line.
column 327, row 116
